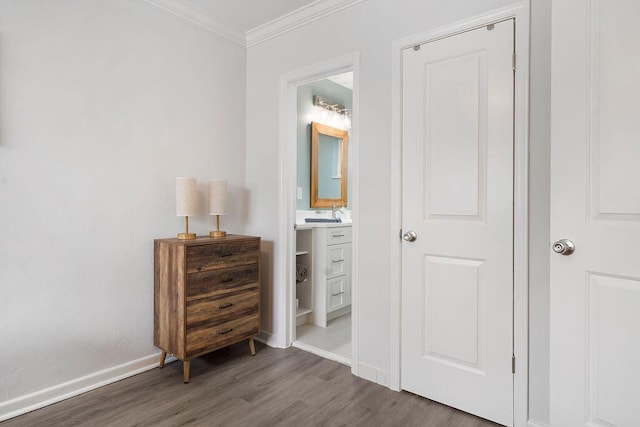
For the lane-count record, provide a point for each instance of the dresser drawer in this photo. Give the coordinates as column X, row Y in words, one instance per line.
column 204, row 339
column 223, row 255
column 218, row 310
column 336, row 235
column 213, row 282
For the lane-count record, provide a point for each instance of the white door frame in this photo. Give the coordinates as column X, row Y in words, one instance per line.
column 520, row 12
column 289, row 84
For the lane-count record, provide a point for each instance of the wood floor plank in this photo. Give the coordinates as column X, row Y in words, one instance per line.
column 232, row 388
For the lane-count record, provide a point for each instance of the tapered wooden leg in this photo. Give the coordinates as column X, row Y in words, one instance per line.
column 163, row 356
column 185, row 371
column 252, row 346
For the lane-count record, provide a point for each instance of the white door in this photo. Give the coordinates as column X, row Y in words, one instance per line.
column 457, row 276
column 595, row 202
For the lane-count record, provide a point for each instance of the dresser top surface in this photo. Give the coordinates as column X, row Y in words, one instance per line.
column 206, row 240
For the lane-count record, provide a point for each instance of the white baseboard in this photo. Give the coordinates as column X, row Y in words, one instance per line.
column 533, row 423
column 40, row 399
column 373, row 374
column 269, row 339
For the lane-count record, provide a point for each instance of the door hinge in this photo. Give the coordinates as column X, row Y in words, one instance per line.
column 513, row 364
column 513, row 61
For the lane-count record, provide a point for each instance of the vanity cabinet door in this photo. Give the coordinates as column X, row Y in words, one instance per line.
column 338, row 293
column 338, row 260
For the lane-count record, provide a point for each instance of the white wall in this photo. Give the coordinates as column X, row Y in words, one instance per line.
column 539, row 201
column 102, row 105
column 369, row 28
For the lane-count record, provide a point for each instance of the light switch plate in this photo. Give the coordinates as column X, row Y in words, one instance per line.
column 299, row 193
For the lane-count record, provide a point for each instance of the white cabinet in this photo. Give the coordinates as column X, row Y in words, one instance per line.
column 331, row 273
column 304, row 287
column 325, row 294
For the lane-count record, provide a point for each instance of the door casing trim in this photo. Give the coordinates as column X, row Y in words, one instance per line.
column 520, row 12
column 289, row 84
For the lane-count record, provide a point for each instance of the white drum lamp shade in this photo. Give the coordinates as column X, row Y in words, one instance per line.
column 218, row 197
column 217, row 204
column 186, row 196
column 186, row 202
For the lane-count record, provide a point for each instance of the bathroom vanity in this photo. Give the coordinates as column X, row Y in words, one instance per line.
column 325, row 250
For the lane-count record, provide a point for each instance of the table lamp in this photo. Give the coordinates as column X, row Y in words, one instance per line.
column 186, row 203
column 217, row 204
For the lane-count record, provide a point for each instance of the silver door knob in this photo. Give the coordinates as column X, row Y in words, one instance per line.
column 410, row 236
column 564, row 247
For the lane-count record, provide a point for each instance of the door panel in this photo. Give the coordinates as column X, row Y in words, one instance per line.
column 614, row 108
column 613, row 304
column 454, row 138
column 457, row 296
column 595, row 202
column 452, row 306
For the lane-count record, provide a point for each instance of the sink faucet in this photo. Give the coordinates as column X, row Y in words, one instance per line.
column 335, row 210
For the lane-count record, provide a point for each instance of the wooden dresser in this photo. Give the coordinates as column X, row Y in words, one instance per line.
column 207, row 295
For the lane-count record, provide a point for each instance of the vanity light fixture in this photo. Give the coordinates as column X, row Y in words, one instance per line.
column 186, row 203
column 217, row 204
column 338, row 114
column 347, row 119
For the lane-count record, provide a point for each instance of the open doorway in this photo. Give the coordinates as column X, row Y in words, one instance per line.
column 322, row 295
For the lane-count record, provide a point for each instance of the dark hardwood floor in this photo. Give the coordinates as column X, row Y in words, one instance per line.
column 230, row 388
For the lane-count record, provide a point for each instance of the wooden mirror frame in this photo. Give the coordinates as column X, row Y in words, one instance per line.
column 318, row 129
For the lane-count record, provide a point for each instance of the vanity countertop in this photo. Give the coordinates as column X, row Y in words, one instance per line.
column 308, row 225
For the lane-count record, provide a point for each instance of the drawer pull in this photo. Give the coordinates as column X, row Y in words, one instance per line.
column 227, row 280
column 339, row 293
column 337, row 260
column 226, row 255
column 227, row 305
column 337, row 235
column 225, row 332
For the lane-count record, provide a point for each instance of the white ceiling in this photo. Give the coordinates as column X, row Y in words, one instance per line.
column 244, row 15
column 344, row 79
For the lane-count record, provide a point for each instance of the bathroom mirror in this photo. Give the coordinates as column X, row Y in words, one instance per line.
column 328, row 166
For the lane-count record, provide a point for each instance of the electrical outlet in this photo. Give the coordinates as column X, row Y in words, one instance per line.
column 299, row 193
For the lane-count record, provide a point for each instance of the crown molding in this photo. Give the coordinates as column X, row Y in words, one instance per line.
column 288, row 22
column 198, row 17
column 299, row 17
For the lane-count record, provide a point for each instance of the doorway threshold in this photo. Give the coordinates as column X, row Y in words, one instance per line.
column 322, row 353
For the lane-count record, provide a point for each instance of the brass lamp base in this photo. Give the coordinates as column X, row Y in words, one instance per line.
column 216, row 234
column 186, row 236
